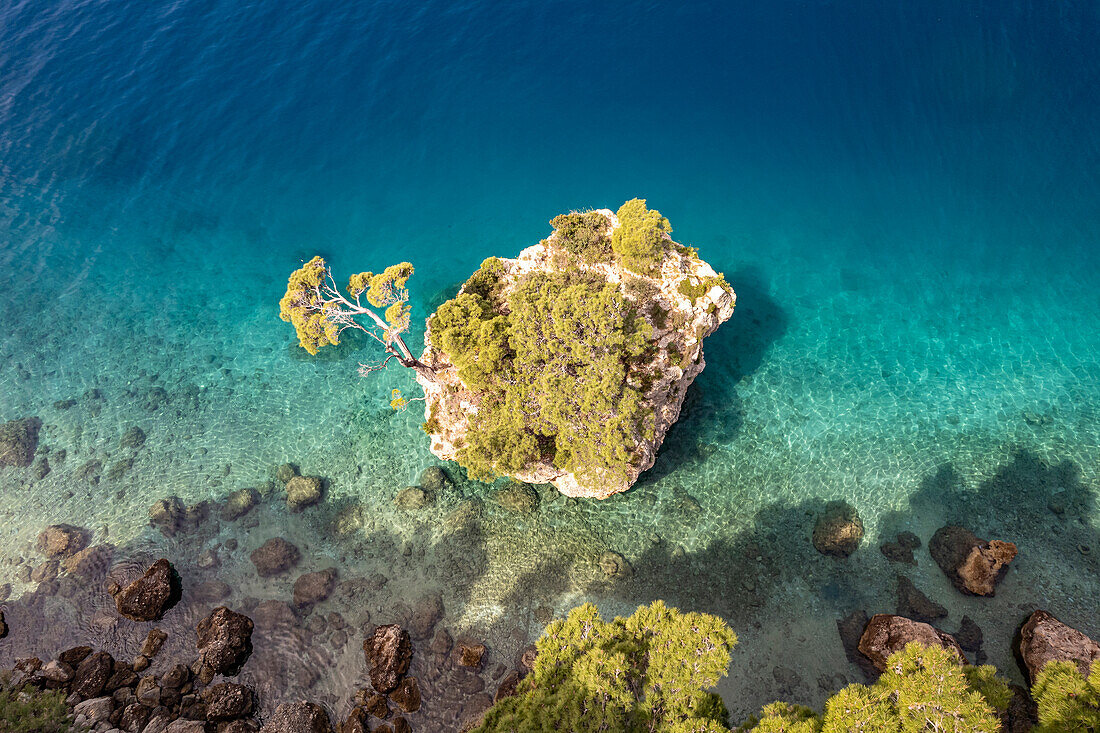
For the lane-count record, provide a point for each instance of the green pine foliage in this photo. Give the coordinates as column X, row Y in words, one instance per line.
column 647, row 672
column 28, row 710
column 584, row 235
column 922, row 689
column 1067, row 700
column 642, row 240
column 551, row 363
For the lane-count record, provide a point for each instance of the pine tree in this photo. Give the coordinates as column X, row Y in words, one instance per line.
column 1067, row 701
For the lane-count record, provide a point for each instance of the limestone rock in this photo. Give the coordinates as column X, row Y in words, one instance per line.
column 275, row 556
column 389, row 652
column 1044, row 638
column 151, row 595
column 302, row 492
column 298, row 717
column 886, row 634
column 973, row 565
column 224, row 640
column 678, row 333
column 61, row 540
column 838, row 531
column 19, row 441
column 239, row 503
column 315, row 587
column 286, row 472
column 91, row 563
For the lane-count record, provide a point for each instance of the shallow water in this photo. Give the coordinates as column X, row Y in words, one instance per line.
column 904, row 197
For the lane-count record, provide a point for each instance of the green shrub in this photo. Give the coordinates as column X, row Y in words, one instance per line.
column 1067, row 701
column 647, row 672
column 640, row 242
column 584, row 235
column 922, row 689
column 28, row 710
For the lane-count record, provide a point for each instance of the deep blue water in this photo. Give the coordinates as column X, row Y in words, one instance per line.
column 904, row 195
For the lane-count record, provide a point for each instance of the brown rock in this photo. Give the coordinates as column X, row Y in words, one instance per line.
column 239, row 503
column 615, row 566
column 973, row 565
column 91, row 676
column 915, row 605
column 378, row 706
column 168, row 515
column 838, row 531
column 400, row 725
column 389, row 651
column 508, row 686
column 407, row 695
column 90, row 563
column 224, row 640
column 211, row 591
column 851, row 629
column 45, row 572
column 153, row 642
column 227, row 701
column 274, row 557
column 1022, row 714
column 356, row 722
column 315, row 587
column 298, row 717
column 18, row 441
column 61, row 540
column 273, row 614
column 470, row 655
column 149, row 597
column 1044, row 639
column 73, row 657
column 886, row 634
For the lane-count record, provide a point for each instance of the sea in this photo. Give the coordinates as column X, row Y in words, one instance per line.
column 905, row 197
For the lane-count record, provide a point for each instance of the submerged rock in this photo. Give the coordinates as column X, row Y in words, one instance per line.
column 227, row 701
column 389, row 652
column 838, row 531
column 315, row 587
column 275, row 556
column 973, row 565
column 168, row 515
column 518, row 497
column 902, row 549
column 149, row 597
column 61, row 540
column 239, row 503
column 18, row 441
column 302, row 492
column 224, row 640
column 1044, row 639
column 886, row 634
column 132, row 439
column 298, row 717
column 914, row 604
column 615, row 566
column 434, row 479
column 412, row 498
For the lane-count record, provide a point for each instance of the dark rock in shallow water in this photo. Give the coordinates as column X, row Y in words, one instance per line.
column 19, row 441
column 298, row 717
column 132, row 439
column 153, row 642
column 211, row 591
column 227, row 701
column 1044, row 639
column 168, row 515
column 914, row 604
column 407, row 695
column 615, row 566
column 273, row 614
column 224, row 640
column 434, row 479
column 470, row 655
column 422, row 618
column 275, row 556
column 973, row 565
column 91, row 563
column 518, row 497
column 313, row 588
column 239, row 503
column 286, row 472
column 91, row 676
column 886, row 634
column 838, row 531
column 1022, row 714
column 3, row 625
column 149, row 597
column 61, row 540
column 389, row 652
column 412, row 498
column 902, row 549
column 969, row 635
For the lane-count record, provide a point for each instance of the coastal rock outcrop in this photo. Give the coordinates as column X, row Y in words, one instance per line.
column 1044, row 639
column 886, row 634
column 680, row 298
column 151, row 595
column 973, row 565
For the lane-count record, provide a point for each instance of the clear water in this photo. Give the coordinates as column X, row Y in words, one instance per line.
column 904, row 195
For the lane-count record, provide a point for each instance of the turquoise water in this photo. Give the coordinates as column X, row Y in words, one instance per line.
column 904, row 196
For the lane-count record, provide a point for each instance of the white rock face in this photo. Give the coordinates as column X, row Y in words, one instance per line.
column 673, row 369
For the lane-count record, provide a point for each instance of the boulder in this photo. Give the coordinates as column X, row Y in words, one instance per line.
column 211, row 591
column 54, row 674
column 434, row 479
column 424, row 615
column 132, row 439
column 73, row 657
column 518, row 497
column 838, row 531
column 273, row 614
column 95, row 710
column 149, row 597
column 224, row 640
column 239, row 503
column 298, row 717
column 615, row 566
column 389, row 652
column 470, row 655
column 886, row 634
column 168, row 515
column 227, row 701
column 915, row 605
column 286, row 472
column 274, row 557
column 1044, row 639
column 973, row 565
column 91, row 563
column 19, row 441
column 61, row 540
column 92, row 674
column 412, row 498
column 302, row 491
column 969, row 635
column 315, row 587
column 407, row 695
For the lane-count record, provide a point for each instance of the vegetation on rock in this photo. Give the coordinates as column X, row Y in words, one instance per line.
column 641, row 240
column 1067, row 700
column 647, row 672
column 27, row 710
column 922, row 689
